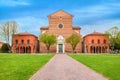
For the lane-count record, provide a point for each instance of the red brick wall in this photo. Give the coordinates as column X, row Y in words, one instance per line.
column 65, row 19
column 32, row 44
column 88, row 40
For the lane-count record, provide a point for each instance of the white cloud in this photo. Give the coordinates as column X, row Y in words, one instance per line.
column 100, row 26
column 13, row 2
column 31, row 24
column 93, row 11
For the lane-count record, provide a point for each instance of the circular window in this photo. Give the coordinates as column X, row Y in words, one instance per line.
column 60, row 26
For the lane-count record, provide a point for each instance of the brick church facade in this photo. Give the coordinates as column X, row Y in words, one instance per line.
column 60, row 24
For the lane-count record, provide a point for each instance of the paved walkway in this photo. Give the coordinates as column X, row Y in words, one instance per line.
column 63, row 67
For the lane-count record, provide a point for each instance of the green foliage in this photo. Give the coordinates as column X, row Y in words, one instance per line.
column 5, row 48
column 21, row 67
column 48, row 40
column 106, row 64
column 113, row 35
column 74, row 39
column 0, row 50
column 118, row 38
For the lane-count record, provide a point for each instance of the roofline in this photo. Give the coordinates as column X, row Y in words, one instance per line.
column 25, row 35
column 76, row 27
column 44, row 28
column 60, row 10
column 94, row 35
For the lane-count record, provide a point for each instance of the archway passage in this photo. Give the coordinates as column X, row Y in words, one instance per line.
column 60, row 44
column 24, row 50
column 28, row 49
column 98, row 49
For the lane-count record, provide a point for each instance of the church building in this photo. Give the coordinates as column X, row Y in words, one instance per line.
column 60, row 25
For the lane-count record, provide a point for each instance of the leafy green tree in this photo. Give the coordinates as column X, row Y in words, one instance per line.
column 5, row 48
column 48, row 40
column 73, row 40
column 118, row 38
column 113, row 35
column 117, row 42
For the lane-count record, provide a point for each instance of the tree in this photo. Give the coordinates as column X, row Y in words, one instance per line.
column 113, row 35
column 5, row 48
column 117, row 42
column 7, row 29
column 0, row 50
column 74, row 39
column 118, row 38
column 48, row 40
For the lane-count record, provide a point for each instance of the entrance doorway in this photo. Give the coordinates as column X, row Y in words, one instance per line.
column 60, row 44
column 60, row 47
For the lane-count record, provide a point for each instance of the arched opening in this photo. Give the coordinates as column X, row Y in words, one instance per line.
column 92, row 41
column 28, row 49
column 98, row 41
column 60, row 44
column 92, row 49
column 24, row 50
column 17, row 49
column 21, row 49
column 104, row 41
column 16, row 41
column 22, row 41
column 99, row 49
column 104, row 49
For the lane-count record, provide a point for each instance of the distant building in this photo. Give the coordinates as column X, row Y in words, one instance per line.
column 60, row 24
column 95, row 43
column 25, row 43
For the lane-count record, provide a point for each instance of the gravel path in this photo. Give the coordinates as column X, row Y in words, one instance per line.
column 63, row 67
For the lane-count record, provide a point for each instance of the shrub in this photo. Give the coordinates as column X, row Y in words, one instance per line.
column 5, row 48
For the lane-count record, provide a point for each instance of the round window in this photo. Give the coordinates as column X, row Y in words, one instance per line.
column 60, row 26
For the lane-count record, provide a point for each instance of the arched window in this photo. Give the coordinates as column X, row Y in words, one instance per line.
column 92, row 41
column 98, row 41
column 60, row 26
column 104, row 41
column 22, row 41
column 28, row 41
column 16, row 41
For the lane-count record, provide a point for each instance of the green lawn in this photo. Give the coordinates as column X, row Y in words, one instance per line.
column 106, row 64
column 21, row 67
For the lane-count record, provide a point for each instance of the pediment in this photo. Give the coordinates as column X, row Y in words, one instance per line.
column 60, row 13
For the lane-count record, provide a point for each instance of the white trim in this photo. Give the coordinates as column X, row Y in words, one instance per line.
column 60, row 40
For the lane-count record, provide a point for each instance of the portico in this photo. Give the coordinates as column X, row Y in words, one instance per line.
column 60, row 44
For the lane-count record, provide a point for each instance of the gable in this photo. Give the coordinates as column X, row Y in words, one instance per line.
column 61, row 13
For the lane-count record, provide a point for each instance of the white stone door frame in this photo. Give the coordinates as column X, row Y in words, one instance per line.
column 60, row 40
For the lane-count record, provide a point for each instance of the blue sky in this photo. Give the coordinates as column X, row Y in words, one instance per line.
column 90, row 15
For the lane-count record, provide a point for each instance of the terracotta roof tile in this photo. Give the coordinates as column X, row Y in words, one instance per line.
column 94, row 34
column 25, row 33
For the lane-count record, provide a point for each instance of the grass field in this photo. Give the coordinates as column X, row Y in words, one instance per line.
column 106, row 64
column 21, row 67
